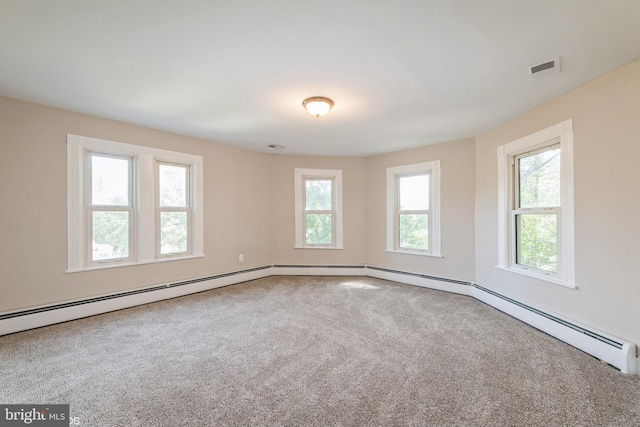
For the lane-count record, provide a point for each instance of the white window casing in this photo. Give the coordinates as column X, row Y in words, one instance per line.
column 393, row 173
column 301, row 176
column 562, row 134
column 143, row 238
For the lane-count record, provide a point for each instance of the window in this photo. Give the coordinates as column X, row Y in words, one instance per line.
column 109, row 212
column 318, row 205
column 536, row 205
column 413, row 209
column 174, row 209
column 129, row 204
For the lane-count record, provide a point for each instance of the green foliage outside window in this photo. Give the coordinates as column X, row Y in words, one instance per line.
column 414, row 231
column 110, row 235
column 319, row 225
column 319, row 229
column 539, row 187
column 173, row 232
column 537, row 241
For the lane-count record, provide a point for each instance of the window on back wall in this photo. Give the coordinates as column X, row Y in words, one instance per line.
column 413, row 209
column 129, row 204
column 318, row 205
column 536, row 205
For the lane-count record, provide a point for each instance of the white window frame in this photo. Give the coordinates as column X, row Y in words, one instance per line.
column 561, row 133
column 334, row 175
column 89, row 208
column 393, row 235
column 144, row 223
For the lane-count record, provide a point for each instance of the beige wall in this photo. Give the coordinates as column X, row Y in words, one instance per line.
column 606, row 122
column 457, row 198
column 33, row 253
column 249, row 207
column 354, row 211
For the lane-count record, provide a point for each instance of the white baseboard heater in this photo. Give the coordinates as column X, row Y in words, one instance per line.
column 611, row 350
column 37, row 317
column 614, row 351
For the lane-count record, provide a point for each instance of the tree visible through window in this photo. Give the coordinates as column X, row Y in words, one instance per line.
column 110, row 206
column 318, row 208
column 173, row 208
column 131, row 204
column 537, row 208
column 413, row 209
column 413, row 212
column 535, row 205
column 319, row 211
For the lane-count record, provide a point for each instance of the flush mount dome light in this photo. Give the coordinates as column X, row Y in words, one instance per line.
column 317, row 106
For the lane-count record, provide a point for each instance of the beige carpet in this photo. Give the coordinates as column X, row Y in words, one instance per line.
column 299, row 351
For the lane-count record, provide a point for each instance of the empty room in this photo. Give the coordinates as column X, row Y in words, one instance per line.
column 338, row 213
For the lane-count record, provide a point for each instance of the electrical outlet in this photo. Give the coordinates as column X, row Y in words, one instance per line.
column 241, row 257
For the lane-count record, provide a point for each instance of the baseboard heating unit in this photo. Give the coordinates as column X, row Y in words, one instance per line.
column 613, row 351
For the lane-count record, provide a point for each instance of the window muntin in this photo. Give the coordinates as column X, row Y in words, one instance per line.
column 413, row 209
column 535, row 202
column 174, row 209
column 318, row 203
column 110, row 207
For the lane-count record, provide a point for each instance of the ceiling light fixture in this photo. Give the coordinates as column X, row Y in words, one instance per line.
column 317, row 106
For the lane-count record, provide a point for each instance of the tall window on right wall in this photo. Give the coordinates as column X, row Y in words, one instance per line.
column 536, row 231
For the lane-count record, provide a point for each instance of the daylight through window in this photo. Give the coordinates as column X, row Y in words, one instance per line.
column 318, row 201
column 536, row 205
column 413, row 209
column 129, row 204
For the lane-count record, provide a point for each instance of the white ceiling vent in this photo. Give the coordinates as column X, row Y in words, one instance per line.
column 544, row 69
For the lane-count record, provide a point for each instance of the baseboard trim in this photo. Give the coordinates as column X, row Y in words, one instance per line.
column 432, row 282
column 319, row 270
column 51, row 314
column 614, row 351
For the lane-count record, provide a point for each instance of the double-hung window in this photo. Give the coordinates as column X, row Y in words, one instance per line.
column 537, row 208
column 110, row 213
column 318, row 204
column 413, row 209
column 536, row 205
column 129, row 204
column 174, row 209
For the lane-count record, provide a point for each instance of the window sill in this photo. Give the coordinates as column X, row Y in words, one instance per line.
column 130, row 264
column 429, row 254
column 319, row 247
column 543, row 277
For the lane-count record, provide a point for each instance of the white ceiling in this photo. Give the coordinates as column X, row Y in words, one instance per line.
column 402, row 73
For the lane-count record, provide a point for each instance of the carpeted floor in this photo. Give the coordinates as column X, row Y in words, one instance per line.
column 300, row 351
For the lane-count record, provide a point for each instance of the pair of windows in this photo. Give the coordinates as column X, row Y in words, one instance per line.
column 131, row 204
column 413, row 196
column 536, row 205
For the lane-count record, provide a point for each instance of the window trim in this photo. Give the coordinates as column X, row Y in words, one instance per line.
column 144, row 196
column 433, row 169
column 89, row 208
column 301, row 175
column 561, row 133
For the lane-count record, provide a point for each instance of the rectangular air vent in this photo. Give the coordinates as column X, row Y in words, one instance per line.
column 544, row 69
